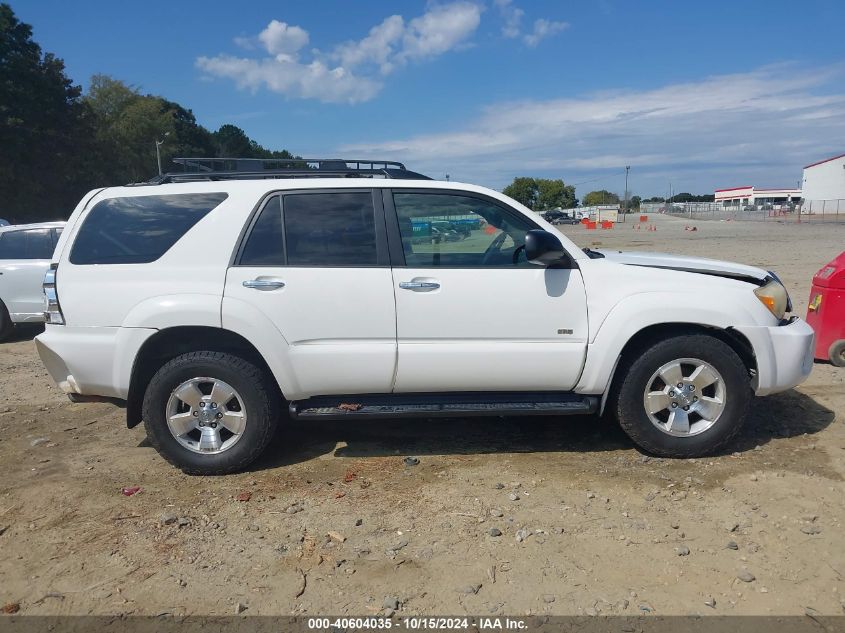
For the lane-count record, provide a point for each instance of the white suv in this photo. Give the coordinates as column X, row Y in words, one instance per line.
column 205, row 302
column 25, row 251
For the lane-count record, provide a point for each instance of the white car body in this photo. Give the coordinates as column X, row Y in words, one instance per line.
column 22, row 273
column 396, row 329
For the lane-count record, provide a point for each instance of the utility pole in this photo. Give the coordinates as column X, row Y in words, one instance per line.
column 627, row 168
column 158, row 152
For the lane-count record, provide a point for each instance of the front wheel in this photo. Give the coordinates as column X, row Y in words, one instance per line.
column 685, row 396
column 210, row 413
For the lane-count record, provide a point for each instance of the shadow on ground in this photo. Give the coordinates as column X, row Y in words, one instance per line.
column 25, row 332
column 782, row 415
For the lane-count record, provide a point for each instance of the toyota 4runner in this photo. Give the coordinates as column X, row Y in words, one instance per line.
column 213, row 304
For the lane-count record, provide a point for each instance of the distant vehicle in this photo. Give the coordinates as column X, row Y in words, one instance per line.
column 25, row 252
column 556, row 216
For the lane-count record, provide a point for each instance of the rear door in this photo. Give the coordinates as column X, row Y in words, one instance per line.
column 472, row 313
column 316, row 264
column 24, row 258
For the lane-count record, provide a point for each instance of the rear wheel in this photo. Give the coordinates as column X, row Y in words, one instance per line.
column 683, row 397
column 837, row 353
column 210, row 413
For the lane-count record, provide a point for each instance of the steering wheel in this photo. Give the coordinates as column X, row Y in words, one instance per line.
column 516, row 253
column 493, row 249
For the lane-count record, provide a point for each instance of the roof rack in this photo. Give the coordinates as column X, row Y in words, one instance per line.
column 213, row 169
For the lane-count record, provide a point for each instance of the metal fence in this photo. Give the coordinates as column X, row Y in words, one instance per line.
column 814, row 211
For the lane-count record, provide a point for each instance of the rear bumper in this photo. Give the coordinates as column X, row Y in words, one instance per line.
column 784, row 355
column 91, row 361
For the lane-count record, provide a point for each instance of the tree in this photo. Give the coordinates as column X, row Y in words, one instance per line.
column 524, row 190
column 595, row 198
column 634, row 202
column 553, row 194
column 540, row 194
column 45, row 129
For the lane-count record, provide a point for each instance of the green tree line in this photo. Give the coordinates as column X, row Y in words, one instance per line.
column 58, row 142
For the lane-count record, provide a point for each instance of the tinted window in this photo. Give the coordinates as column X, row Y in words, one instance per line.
column 330, row 229
column 265, row 245
column 459, row 231
column 138, row 230
column 29, row 244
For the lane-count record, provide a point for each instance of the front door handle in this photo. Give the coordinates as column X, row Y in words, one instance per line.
column 264, row 284
column 419, row 286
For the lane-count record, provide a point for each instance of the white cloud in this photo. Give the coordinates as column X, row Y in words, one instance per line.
column 350, row 72
column 512, row 17
column 439, row 29
column 759, row 126
column 512, row 24
column 379, row 47
column 542, row 29
column 280, row 38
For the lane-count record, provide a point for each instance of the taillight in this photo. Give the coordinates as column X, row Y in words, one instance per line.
column 52, row 309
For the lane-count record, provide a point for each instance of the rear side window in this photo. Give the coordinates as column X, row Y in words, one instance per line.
column 265, row 246
column 139, row 229
column 27, row 244
column 330, row 229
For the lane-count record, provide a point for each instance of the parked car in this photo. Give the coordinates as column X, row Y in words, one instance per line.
column 231, row 300
column 559, row 217
column 25, row 252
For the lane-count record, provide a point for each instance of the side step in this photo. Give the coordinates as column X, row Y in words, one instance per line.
column 443, row 405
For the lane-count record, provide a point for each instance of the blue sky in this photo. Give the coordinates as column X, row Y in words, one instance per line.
column 699, row 94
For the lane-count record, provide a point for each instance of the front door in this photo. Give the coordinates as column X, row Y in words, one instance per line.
column 316, row 264
column 472, row 313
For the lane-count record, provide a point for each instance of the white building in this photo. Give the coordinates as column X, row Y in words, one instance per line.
column 825, row 180
column 743, row 196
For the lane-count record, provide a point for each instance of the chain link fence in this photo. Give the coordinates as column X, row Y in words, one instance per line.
column 815, row 211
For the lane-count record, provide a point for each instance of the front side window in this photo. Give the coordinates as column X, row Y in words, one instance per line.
column 139, row 229
column 26, row 244
column 452, row 230
column 330, row 229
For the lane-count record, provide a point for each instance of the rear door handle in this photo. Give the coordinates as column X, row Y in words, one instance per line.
column 264, row 284
column 419, row 286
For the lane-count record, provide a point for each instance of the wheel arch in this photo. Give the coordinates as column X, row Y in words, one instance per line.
column 169, row 343
column 648, row 335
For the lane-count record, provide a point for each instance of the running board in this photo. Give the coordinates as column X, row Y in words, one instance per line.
column 443, row 405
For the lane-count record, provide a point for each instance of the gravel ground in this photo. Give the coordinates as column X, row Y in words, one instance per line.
column 503, row 516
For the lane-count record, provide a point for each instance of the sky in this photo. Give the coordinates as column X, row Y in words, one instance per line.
column 691, row 95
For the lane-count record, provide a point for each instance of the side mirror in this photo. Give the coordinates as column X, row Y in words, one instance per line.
column 543, row 249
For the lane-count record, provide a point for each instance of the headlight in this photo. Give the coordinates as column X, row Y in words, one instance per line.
column 774, row 297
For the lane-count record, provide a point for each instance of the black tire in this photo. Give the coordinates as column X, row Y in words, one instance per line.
column 260, row 398
column 837, row 353
column 6, row 325
column 635, row 372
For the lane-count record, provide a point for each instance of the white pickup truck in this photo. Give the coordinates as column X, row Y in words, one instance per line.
column 214, row 304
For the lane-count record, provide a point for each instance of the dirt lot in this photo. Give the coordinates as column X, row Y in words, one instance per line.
column 335, row 522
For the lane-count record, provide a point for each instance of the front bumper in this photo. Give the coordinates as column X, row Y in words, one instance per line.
column 784, row 354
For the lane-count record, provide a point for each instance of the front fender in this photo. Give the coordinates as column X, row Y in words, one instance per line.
column 637, row 312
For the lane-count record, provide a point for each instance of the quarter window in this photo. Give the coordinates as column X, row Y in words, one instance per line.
column 26, row 244
column 330, row 229
column 265, row 246
column 447, row 230
column 139, row 229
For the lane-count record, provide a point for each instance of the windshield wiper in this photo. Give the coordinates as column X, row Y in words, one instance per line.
column 593, row 254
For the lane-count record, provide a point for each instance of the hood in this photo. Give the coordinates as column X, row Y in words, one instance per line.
column 685, row 263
